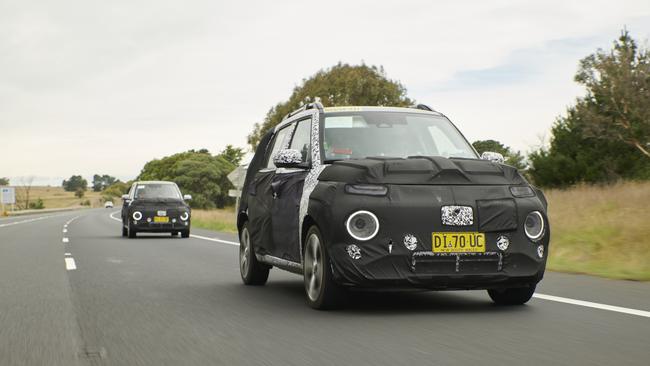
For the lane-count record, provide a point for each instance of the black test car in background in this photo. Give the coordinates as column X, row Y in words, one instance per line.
column 155, row 207
column 373, row 197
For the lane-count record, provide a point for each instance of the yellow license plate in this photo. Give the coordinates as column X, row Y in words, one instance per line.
column 160, row 219
column 458, row 242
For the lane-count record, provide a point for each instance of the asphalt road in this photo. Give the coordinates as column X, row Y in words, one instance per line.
column 159, row 300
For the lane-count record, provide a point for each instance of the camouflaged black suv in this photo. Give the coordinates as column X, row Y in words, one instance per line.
column 155, row 207
column 374, row 197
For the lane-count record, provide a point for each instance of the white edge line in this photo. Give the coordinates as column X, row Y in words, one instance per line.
column 70, row 265
column 594, row 305
column 192, row 235
column 30, row 220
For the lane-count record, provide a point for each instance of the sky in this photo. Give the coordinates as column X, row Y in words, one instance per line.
column 104, row 86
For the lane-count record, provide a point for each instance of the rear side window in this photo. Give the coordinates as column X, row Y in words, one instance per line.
column 302, row 139
column 279, row 140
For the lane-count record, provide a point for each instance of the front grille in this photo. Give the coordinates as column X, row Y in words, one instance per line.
column 456, row 263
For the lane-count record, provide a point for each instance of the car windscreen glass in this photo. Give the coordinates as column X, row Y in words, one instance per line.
column 357, row 135
column 151, row 191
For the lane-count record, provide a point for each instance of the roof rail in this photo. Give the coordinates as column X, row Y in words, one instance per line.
column 317, row 104
column 424, row 107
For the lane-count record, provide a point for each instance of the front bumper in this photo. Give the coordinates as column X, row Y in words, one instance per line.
column 153, row 227
column 380, row 267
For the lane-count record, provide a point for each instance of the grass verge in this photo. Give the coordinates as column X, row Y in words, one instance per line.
column 219, row 219
column 601, row 230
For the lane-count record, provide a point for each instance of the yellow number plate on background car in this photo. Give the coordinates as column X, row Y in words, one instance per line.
column 160, row 219
column 458, row 242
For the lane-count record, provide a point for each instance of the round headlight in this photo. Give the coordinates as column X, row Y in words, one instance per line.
column 184, row 216
column 362, row 225
column 137, row 215
column 534, row 225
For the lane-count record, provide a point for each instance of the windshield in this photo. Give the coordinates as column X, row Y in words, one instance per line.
column 357, row 135
column 157, row 191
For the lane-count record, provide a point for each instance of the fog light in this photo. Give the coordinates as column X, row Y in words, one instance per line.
column 137, row 215
column 503, row 242
column 362, row 225
column 353, row 251
column 540, row 251
column 148, row 219
column 173, row 221
column 410, row 241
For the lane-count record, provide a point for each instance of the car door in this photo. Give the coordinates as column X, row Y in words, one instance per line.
column 287, row 189
column 260, row 194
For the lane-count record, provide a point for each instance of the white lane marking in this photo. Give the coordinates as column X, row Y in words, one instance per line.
column 68, row 254
column 215, row 239
column 70, row 265
column 594, row 305
column 65, row 230
column 192, row 235
column 65, row 240
column 30, row 220
column 69, row 221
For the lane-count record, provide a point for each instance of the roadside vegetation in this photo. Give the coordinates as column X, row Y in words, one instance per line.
column 217, row 219
column 601, row 230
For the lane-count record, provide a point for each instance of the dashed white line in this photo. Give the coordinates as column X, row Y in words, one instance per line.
column 70, row 265
column 65, row 230
column 68, row 254
column 65, row 240
column 593, row 305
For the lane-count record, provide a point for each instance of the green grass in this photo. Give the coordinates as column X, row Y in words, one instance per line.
column 601, row 230
column 218, row 220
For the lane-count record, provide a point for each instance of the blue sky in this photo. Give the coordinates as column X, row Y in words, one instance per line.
column 102, row 87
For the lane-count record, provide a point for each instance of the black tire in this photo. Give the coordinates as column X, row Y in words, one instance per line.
column 132, row 231
column 321, row 290
column 253, row 273
column 125, row 232
column 185, row 233
column 512, row 296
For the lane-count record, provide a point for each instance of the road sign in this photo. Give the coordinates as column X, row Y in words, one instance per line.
column 8, row 195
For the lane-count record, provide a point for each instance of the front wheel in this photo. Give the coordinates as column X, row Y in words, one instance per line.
column 252, row 272
column 185, row 233
column 512, row 296
column 321, row 290
column 125, row 232
column 132, row 231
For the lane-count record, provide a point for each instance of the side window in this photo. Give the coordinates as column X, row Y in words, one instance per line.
column 302, row 139
column 279, row 140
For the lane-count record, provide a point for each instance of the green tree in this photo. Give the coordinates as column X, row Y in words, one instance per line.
column 74, row 183
column 513, row 158
column 4, row 181
column 339, row 85
column 198, row 173
column 102, row 181
column 232, row 154
column 603, row 136
column 116, row 189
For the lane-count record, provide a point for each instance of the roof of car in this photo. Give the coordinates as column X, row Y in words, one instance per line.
column 378, row 109
column 154, row 182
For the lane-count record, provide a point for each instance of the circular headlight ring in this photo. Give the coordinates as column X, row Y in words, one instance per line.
column 541, row 230
column 185, row 216
column 137, row 215
column 349, row 221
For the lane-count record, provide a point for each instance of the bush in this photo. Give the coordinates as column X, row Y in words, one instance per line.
column 79, row 193
column 38, row 205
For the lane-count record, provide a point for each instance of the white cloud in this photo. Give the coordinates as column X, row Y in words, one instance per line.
column 103, row 87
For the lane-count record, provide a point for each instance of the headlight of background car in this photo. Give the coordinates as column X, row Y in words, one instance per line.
column 534, row 225
column 362, row 225
column 185, row 215
column 137, row 215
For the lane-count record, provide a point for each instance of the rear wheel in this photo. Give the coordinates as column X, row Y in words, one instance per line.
column 512, row 296
column 321, row 290
column 252, row 271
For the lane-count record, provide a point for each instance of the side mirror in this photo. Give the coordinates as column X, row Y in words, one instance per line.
column 187, row 197
column 287, row 158
column 494, row 157
column 125, row 197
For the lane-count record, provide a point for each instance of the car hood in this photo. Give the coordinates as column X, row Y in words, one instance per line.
column 421, row 170
column 159, row 203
